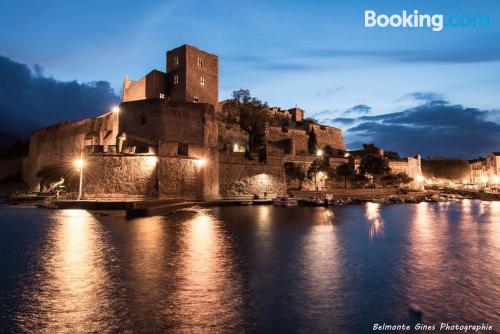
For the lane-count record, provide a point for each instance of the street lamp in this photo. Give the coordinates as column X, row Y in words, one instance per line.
column 201, row 162
column 319, row 153
column 116, row 109
column 79, row 163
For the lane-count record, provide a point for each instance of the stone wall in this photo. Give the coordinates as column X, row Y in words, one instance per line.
column 108, row 176
column 241, row 177
column 179, row 177
column 63, row 142
column 325, row 135
column 411, row 167
column 125, row 176
column 166, row 121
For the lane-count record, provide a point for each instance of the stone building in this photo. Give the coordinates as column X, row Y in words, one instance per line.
column 411, row 166
column 485, row 171
column 478, row 171
column 167, row 140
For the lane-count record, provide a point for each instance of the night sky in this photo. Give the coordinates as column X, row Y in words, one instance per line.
column 409, row 90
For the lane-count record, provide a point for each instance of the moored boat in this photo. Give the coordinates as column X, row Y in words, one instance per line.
column 285, row 201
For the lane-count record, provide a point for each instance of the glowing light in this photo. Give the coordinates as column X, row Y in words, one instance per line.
column 79, row 163
column 319, row 153
column 372, row 215
column 201, row 162
column 116, row 109
column 484, row 179
column 420, row 178
column 151, row 161
column 346, row 155
column 495, row 179
column 236, row 148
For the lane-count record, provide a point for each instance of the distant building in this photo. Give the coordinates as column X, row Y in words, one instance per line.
column 410, row 166
column 485, row 171
column 478, row 171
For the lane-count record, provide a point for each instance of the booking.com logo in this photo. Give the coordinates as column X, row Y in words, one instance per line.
column 413, row 19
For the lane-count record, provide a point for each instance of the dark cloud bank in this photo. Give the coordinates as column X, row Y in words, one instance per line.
column 30, row 100
column 433, row 128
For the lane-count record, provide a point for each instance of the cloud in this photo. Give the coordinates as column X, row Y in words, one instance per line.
column 30, row 100
column 359, row 108
column 435, row 128
column 341, row 120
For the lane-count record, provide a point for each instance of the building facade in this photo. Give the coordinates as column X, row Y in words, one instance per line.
column 167, row 140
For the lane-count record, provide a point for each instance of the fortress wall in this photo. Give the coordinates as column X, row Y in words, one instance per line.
column 325, row 135
column 63, row 142
column 108, row 176
column 179, row 177
column 135, row 91
column 239, row 176
column 161, row 120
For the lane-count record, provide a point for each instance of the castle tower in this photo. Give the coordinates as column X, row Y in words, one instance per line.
column 192, row 75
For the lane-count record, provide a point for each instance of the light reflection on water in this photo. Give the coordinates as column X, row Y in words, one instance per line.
column 70, row 292
column 373, row 218
column 253, row 269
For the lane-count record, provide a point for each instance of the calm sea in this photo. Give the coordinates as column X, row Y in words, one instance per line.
column 257, row 269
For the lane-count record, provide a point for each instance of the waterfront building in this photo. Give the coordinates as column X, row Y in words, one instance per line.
column 166, row 139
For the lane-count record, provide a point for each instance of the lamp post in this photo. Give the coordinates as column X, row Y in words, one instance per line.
column 79, row 163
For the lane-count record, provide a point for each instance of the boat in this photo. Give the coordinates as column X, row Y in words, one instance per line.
column 314, row 201
column 285, row 201
column 246, row 203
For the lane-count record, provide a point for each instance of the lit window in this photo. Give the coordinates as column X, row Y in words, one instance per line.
column 202, row 81
column 176, row 79
column 200, row 62
column 162, row 96
column 195, row 99
column 176, row 61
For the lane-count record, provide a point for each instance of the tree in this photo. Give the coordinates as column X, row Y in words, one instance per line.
column 359, row 180
column 314, row 169
column 295, row 172
column 446, row 168
column 311, row 120
column 392, row 155
column 392, row 180
column 345, row 171
column 374, row 165
column 251, row 115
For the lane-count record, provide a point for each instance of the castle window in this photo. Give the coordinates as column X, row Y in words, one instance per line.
column 176, row 61
column 176, row 79
column 202, row 81
column 196, row 99
column 182, row 149
column 162, row 96
column 143, row 120
column 200, row 62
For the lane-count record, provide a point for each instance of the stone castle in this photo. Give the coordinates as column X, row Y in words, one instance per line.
column 167, row 140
